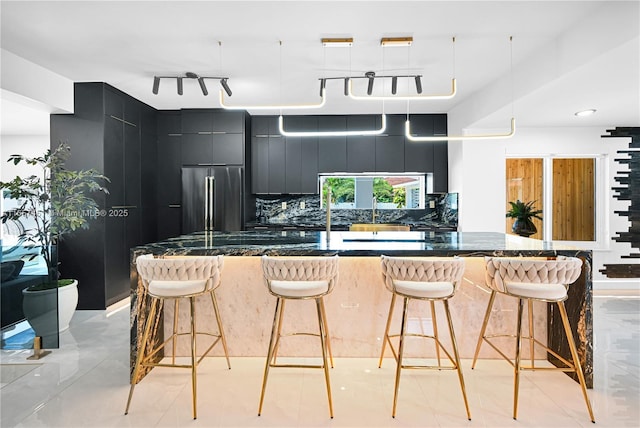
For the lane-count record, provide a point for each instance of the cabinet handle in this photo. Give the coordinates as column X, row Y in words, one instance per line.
column 174, row 135
column 260, row 228
column 122, row 120
column 218, row 132
column 262, row 136
column 175, row 206
column 205, row 133
column 205, row 164
column 122, row 207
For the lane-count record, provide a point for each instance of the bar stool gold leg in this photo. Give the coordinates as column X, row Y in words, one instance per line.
column 274, row 332
column 279, row 335
column 216, row 310
column 323, row 342
column 385, row 339
column 456, row 355
column 516, row 383
column 142, row 344
column 326, row 330
column 576, row 359
column 434, row 321
column 403, row 328
column 194, row 364
column 176, row 309
column 531, row 333
column 483, row 330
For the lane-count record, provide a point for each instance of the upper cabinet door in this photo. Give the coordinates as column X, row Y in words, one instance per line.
column 390, row 154
column 228, row 149
column 231, row 122
column 195, row 121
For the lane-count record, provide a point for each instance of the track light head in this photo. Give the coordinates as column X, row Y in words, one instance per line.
column 346, row 86
column 191, row 75
column 394, row 85
column 179, row 80
column 371, row 75
column 225, row 86
column 203, row 86
column 323, row 85
column 418, row 85
column 156, row 84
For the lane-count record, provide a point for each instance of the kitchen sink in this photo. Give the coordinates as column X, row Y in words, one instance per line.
column 379, row 227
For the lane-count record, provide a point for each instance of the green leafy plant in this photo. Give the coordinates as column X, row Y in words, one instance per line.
column 57, row 200
column 523, row 211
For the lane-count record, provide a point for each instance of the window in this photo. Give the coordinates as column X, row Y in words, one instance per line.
column 391, row 191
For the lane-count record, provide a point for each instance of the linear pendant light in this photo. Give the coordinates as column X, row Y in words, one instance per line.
column 411, row 137
column 403, row 97
column 432, row 138
column 274, row 106
column 331, row 133
column 280, row 106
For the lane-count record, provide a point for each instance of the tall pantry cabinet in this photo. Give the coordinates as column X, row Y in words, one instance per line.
column 115, row 134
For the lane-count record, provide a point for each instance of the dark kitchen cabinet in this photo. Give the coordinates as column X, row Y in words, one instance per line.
column 361, row 153
column 301, row 165
column 308, row 164
column 115, row 134
column 389, row 153
column 260, row 164
column 277, row 172
column 197, row 149
column 440, row 167
column 332, row 154
column 169, row 196
column 305, row 157
column 212, row 137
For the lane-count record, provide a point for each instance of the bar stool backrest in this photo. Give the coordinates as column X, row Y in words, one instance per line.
column 562, row 270
column 323, row 268
column 187, row 268
column 422, row 269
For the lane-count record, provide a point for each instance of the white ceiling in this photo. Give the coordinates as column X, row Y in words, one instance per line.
column 126, row 43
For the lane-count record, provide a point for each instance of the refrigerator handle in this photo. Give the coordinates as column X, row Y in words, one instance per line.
column 209, row 203
column 206, row 203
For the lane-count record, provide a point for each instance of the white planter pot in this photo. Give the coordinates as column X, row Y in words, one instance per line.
column 67, row 303
column 40, row 309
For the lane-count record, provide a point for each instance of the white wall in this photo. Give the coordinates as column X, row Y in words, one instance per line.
column 27, row 145
column 479, row 168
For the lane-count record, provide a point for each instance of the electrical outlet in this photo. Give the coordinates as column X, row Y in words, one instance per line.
column 302, row 205
column 432, row 204
column 284, row 205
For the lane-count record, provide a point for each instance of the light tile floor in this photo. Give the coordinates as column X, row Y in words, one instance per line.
column 85, row 384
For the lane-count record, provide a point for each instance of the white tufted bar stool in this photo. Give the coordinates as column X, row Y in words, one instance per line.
column 299, row 278
column 531, row 279
column 176, row 278
column 430, row 279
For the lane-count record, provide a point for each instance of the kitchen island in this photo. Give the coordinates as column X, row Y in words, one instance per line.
column 358, row 306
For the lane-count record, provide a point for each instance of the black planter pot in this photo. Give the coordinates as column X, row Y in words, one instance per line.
column 524, row 227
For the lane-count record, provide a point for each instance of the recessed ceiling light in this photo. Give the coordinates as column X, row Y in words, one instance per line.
column 583, row 113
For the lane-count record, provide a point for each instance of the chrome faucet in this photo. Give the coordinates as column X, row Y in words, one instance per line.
column 374, row 207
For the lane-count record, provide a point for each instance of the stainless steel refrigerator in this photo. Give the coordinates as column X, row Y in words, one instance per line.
column 212, row 198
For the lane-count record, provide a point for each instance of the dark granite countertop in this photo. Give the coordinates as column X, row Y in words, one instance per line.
column 434, row 243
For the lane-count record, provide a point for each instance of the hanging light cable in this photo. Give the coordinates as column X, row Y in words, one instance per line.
column 276, row 106
column 391, row 42
column 511, row 133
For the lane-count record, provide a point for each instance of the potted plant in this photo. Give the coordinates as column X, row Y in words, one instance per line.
column 58, row 202
column 523, row 213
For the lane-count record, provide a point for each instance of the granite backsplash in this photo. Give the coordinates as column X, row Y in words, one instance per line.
column 443, row 215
